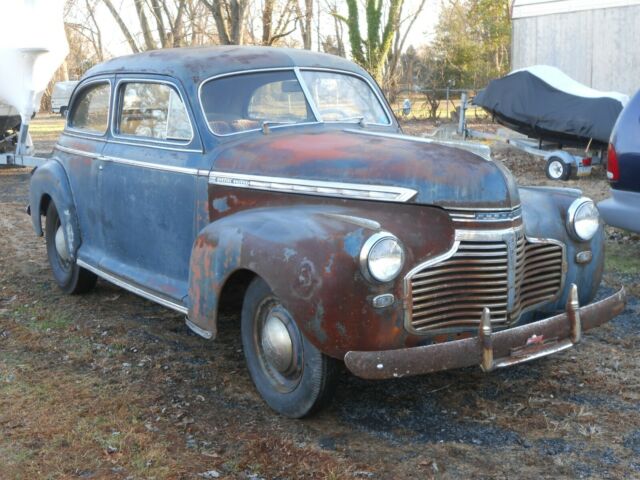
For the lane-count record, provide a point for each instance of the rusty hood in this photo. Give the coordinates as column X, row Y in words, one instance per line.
column 443, row 176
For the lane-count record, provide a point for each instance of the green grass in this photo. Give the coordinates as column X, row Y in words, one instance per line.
column 46, row 126
column 53, row 321
column 623, row 258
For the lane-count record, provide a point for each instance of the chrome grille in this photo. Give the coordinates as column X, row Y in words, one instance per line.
column 484, row 273
column 541, row 276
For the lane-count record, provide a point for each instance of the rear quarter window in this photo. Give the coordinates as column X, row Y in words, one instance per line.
column 90, row 110
column 153, row 110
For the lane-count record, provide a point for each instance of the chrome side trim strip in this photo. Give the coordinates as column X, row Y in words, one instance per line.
column 151, row 166
column 134, row 163
column 75, row 151
column 481, row 209
column 465, row 218
column 133, row 288
column 197, row 330
column 69, row 133
column 313, row 187
column 154, row 145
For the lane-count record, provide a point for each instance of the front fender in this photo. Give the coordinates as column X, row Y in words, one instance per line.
column 309, row 256
column 51, row 180
column 544, row 211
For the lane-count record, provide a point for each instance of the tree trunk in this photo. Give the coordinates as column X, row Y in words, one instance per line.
column 156, row 9
column 267, row 18
column 144, row 25
column 122, row 25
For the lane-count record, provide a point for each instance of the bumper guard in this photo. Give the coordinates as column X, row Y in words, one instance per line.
column 491, row 350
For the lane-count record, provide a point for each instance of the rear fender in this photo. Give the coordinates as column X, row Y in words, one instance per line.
column 51, row 180
column 310, row 257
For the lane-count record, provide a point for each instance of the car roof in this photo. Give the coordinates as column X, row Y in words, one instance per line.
column 194, row 64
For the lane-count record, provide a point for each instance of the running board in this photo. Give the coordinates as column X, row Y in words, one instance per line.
column 133, row 288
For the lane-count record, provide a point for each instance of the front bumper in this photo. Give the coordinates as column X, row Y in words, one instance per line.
column 491, row 350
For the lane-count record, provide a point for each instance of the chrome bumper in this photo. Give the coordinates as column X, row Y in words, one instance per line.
column 491, row 350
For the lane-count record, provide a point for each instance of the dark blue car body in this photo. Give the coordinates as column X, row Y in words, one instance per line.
column 622, row 209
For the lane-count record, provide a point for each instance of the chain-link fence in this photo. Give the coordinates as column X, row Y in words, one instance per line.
column 439, row 104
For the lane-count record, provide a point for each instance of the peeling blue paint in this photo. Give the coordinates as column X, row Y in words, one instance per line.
column 327, row 269
column 353, row 242
column 288, row 253
column 220, row 204
column 317, row 323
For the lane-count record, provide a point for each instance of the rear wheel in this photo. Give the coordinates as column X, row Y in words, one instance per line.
column 291, row 375
column 557, row 169
column 70, row 277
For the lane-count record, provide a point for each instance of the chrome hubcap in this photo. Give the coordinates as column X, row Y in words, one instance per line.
column 61, row 245
column 277, row 344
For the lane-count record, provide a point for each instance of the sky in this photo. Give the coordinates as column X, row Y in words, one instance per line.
column 116, row 45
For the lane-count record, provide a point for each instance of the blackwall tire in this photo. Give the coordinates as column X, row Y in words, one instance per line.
column 557, row 169
column 291, row 375
column 71, row 278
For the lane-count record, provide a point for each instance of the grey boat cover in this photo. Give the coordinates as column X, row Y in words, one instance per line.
column 543, row 102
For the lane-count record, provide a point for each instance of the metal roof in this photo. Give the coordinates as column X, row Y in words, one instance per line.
column 536, row 8
column 194, row 64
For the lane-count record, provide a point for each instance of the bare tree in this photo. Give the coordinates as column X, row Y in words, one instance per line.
column 305, row 22
column 338, row 22
column 149, row 41
column 230, row 18
column 123, row 26
column 285, row 12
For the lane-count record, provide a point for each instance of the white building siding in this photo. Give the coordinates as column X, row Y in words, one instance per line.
column 535, row 8
column 599, row 47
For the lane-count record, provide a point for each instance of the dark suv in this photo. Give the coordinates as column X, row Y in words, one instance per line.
column 622, row 209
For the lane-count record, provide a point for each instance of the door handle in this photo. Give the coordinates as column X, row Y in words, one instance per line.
column 100, row 167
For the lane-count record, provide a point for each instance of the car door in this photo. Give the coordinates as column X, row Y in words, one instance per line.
column 79, row 149
column 148, row 185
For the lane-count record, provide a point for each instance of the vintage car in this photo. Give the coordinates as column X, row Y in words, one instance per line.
column 192, row 177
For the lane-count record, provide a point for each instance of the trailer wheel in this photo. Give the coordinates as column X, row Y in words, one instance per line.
column 557, row 169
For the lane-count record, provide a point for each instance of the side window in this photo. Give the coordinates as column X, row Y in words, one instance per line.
column 153, row 110
column 90, row 110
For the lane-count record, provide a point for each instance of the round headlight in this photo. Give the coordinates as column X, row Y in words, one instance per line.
column 583, row 219
column 382, row 257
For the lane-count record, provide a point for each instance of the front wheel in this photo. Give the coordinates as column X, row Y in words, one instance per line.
column 292, row 376
column 70, row 277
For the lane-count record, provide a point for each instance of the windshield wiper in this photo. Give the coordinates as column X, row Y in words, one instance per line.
column 359, row 120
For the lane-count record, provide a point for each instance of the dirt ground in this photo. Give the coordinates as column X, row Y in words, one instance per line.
column 108, row 385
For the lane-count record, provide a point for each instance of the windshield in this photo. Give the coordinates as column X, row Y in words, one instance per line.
column 340, row 97
column 244, row 102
